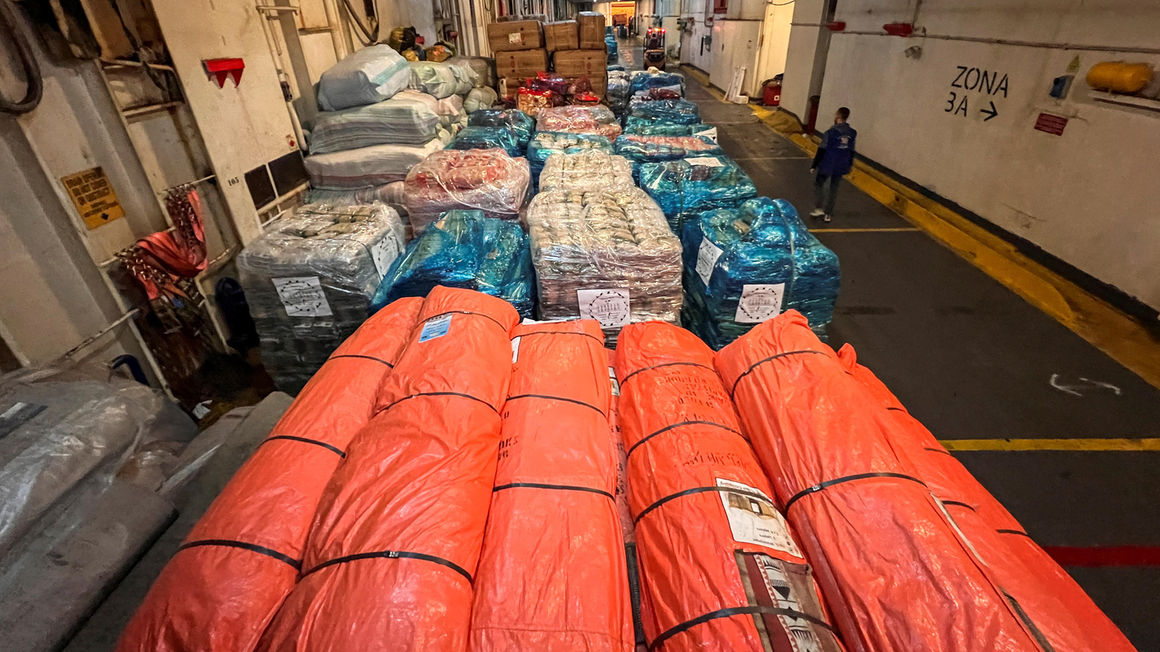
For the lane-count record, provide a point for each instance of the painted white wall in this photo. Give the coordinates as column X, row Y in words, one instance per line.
column 691, row 51
column 1089, row 197
column 405, row 13
column 805, row 57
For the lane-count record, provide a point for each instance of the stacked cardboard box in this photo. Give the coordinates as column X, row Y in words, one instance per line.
column 521, row 49
column 561, row 35
column 518, row 46
column 591, row 25
column 588, row 63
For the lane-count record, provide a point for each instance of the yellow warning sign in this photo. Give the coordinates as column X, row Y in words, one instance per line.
column 93, row 196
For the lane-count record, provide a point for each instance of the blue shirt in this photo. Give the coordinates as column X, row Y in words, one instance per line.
column 838, row 154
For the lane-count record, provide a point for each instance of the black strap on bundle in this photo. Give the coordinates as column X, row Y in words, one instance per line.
column 957, row 503
column 334, row 449
column 755, row 365
column 666, row 364
column 848, row 478
column 252, row 547
column 391, row 554
column 735, row 611
column 466, row 312
column 679, row 425
column 696, row 490
column 598, row 339
column 559, row 398
column 552, row 487
column 360, row 357
column 1020, row 533
column 460, row 394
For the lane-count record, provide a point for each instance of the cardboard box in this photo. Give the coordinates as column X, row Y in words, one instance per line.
column 518, row 65
column 573, row 63
column 561, row 35
column 514, row 36
column 591, row 30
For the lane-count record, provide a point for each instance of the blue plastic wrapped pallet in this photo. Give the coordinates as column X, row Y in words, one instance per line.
column 696, row 183
column 546, row 143
column 519, row 123
column 674, row 112
column 642, row 80
column 744, row 265
column 646, row 128
column 487, row 138
column 649, row 149
column 464, row 249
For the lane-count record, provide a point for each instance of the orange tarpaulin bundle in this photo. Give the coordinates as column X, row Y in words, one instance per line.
column 552, row 575
column 242, row 558
column 895, row 571
column 719, row 567
column 397, row 536
column 1055, row 608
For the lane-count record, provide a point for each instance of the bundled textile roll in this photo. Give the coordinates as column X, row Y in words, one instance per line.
column 680, row 112
column 1050, row 600
column 397, row 535
column 696, row 183
column 242, row 558
column 452, row 115
column 607, row 256
column 587, row 171
column 619, row 90
column 483, row 179
column 579, row 119
column 744, row 265
column 464, row 249
column 546, row 143
column 519, row 123
column 370, row 75
column 486, row 138
column 479, row 99
column 552, row 573
column 367, row 166
column 405, row 119
column 309, row 280
column 720, row 568
column 388, row 193
column 650, row 149
column 895, row 570
column 439, row 79
column 643, row 80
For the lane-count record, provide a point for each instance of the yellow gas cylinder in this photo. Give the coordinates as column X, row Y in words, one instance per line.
column 1119, row 76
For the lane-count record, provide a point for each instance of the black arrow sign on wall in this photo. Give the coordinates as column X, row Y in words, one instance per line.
column 990, row 112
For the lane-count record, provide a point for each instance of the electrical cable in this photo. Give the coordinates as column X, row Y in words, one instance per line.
column 16, row 35
column 362, row 31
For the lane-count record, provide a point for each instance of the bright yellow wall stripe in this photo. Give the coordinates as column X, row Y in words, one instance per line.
column 1077, row 444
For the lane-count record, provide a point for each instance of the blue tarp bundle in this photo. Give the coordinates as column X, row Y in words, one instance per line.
column 487, row 138
column 675, row 112
column 696, row 183
column 746, row 264
column 519, row 123
column 464, row 249
column 647, row 128
column 546, row 143
column 642, row 81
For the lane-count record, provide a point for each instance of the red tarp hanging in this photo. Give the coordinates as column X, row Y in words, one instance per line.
column 396, row 539
column 552, row 575
column 1054, row 607
column 242, row 558
column 894, row 569
column 719, row 568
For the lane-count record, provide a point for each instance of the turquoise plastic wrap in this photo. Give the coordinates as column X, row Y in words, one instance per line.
column 650, row 149
column 744, row 265
column 695, row 183
column 487, row 138
column 680, row 112
column 519, row 123
column 546, row 143
column 464, row 249
column 643, row 127
column 642, row 80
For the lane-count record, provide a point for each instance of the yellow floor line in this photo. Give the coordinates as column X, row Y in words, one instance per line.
column 888, row 229
column 1079, row 444
column 1118, row 335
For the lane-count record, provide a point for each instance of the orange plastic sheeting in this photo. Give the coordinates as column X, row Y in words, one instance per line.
column 552, row 575
column 1053, row 606
column 895, row 571
column 396, row 539
column 242, row 558
column 719, row 567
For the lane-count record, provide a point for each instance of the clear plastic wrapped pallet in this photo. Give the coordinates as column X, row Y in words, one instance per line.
column 519, row 123
column 664, row 111
column 464, row 249
column 579, row 119
column 608, row 256
column 546, row 143
column 695, row 183
column 486, row 138
column 587, row 171
column 309, row 279
column 744, row 265
column 408, row 118
column 474, row 179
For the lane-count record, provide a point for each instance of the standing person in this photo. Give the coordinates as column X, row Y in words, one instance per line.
column 834, row 159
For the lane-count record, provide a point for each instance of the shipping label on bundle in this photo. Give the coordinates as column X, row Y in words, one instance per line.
column 754, row 519
column 705, row 161
column 707, row 256
column 436, row 327
column 710, row 133
column 791, row 614
column 515, row 37
column 384, row 252
column 302, row 296
column 615, row 383
column 516, row 349
column 759, row 302
column 609, row 307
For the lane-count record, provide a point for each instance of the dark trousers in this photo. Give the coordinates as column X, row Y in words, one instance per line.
column 824, row 197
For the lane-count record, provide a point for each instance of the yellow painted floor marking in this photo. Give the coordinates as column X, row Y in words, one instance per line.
column 1078, row 444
